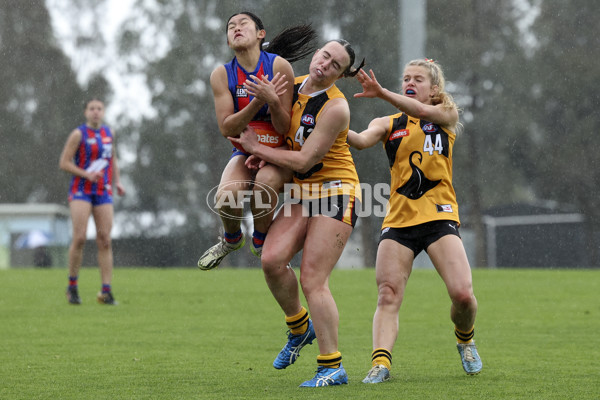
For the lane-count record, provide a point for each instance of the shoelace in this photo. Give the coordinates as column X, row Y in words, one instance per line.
column 375, row 370
column 225, row 246
column 469, row 354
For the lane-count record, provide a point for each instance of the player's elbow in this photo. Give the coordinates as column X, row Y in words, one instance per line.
column 305, row 164
column 228, row 132
column 357, row 144
column 421, row 112
column 302, row 168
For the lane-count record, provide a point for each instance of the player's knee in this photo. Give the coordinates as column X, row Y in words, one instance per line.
column 272, row 264
column 78, row 241
column 464, row 298
column 311, row 282
column 269, row 181
column 388, row 295
column 103, row 241
column 308, row 285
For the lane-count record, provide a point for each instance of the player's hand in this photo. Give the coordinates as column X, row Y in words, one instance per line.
column 255, row 163
column 371, row 88
column 263, row 89
column 247, row 139
column 120, row 189
column 280, row 82
column 94, row 176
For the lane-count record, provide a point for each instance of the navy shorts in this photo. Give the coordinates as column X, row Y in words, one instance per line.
column 238, row 152
column 419, row 237
column 95, row 199
column 342, row 207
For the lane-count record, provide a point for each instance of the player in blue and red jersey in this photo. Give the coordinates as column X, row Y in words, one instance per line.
column 256, row 89
column 89, row 155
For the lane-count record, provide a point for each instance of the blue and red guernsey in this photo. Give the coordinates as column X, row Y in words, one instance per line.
column 236, row 76
column 95, row 144
column 261, row 122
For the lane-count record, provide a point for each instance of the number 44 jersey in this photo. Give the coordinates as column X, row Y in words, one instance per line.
column 420, row 160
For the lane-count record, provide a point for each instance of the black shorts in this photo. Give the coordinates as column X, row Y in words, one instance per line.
column 342, row 208
column 419, row 237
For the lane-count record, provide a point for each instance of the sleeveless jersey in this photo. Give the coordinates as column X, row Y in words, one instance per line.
column 95, row 144
column 335, row 174
column 420, row 160
column 261, row 122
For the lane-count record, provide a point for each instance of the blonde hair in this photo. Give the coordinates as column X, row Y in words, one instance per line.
column 437, row 78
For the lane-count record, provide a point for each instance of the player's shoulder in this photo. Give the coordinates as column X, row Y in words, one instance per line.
column 218, row 76
column 337, row 108
column 218, row 71
column 280, row 64
column 77, row 132
column 383, row 121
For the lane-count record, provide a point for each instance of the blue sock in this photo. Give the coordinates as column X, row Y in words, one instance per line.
column 233, row 237
column 105, row 288
column 73, row 281
column 258, row 238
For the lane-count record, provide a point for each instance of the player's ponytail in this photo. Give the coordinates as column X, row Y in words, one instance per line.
column 294, row 43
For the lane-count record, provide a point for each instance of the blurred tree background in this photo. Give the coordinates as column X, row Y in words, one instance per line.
column 524, row 73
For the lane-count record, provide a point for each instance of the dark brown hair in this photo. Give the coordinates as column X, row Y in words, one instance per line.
column 293, row 44
column 88, row 101
column 350, row 71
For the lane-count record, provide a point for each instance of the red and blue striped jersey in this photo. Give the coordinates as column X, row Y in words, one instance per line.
column 95, row 144
column 236, row 76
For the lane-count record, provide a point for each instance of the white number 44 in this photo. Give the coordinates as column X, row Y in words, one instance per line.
column 430, row 147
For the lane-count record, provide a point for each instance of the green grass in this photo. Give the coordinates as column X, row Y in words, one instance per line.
column 189, row 334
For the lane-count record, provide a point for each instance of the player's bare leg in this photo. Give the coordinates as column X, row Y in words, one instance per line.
column 80, row 214
column 103, row 218
column 235, row 183
column 450, row 259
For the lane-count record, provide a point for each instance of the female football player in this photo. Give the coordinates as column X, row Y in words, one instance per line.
column 321, row 215
column 423, row 211
column 90, row 156
column 255, row 88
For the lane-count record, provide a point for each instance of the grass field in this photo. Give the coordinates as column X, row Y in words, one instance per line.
column 189, row 334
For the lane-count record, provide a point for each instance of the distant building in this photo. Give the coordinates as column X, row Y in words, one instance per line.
column 535, row 236
column 17, row 220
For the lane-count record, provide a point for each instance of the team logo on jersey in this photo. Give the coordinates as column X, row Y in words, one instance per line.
column 240, row 91
column 418, row 184
column 308, row 120
column 429, row 128
column 400, row 133
column 91, row 141
column 106, row 140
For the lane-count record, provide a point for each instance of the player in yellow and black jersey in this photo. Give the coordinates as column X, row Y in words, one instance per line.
column 420, row 158
column 331, row 185
column 422, row 209
column 321, row 219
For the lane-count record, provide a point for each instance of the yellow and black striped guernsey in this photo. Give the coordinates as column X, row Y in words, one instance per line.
column 336, row 173
column 420, row 160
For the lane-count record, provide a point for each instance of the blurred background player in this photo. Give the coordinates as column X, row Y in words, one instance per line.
column 255, row 88
column 423, row 211
column 90, row 156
